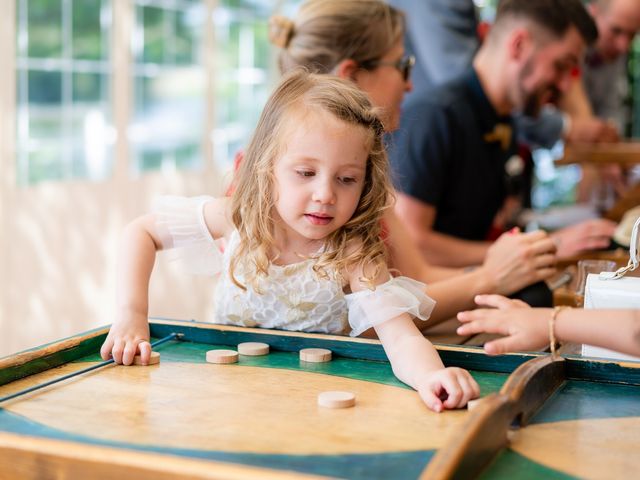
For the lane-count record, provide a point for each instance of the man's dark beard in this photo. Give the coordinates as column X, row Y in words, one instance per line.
column 532, row 104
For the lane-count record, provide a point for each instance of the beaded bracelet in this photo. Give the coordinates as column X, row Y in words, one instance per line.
column 552, row 324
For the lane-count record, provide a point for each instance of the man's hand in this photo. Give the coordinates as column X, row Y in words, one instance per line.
column 592, row 130
column 588, row 235
column 517, row 260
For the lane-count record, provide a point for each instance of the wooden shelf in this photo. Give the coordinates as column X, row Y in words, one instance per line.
column 622, row 153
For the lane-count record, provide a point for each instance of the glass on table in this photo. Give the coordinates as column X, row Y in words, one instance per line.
column 585, row 267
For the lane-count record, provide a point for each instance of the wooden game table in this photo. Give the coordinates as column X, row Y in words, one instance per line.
column 185, row 418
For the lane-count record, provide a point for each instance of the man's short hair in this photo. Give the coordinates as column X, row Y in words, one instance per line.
column 556, row 16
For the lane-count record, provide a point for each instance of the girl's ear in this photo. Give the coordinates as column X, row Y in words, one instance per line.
column 347, row 69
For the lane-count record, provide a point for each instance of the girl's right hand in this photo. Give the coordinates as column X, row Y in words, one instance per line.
column 448, row 388
column 127, row 337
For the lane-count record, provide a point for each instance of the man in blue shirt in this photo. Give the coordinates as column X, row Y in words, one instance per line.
column 454, row 154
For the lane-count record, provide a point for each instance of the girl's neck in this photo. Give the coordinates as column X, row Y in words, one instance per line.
column 290, row 250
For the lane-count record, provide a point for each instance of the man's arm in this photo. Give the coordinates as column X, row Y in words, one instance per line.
column 437, row 248
column 404, row 256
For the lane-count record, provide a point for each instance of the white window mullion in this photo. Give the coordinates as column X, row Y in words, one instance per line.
column 8, row 168
column 22, row 154
column 67, row 89
column 122, row 41
column 207, row 47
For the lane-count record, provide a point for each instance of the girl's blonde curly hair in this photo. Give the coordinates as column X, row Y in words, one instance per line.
column 253, row 201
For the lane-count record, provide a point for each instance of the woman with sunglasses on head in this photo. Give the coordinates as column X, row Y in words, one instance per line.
column 362, row 40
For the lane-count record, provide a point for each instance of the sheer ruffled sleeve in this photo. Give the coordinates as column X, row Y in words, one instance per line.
column 369, row 308
column 184, row 234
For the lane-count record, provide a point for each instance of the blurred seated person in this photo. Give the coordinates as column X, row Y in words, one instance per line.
column 455, row 153
column 604, row 88
column 595, row 104
column 444, row 36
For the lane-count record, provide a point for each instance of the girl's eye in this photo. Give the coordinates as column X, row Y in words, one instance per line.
column 347, row 180
column 305, row 173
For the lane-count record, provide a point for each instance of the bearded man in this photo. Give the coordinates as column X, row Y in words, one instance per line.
column 455, row 155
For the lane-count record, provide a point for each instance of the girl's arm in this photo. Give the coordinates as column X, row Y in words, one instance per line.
column 528, row 329
column 129, row 333
column 415, row 361
column 405, row 255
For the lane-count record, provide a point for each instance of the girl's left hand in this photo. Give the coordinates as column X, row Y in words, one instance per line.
column 448, row 388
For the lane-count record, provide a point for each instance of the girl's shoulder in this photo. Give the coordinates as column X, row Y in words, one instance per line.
column 363, row 275
column 204, row 216
column 217, row 216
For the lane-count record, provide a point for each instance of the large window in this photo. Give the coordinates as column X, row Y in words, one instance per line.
column 245, row 66
column 66, row 78
column 63, row 107
column 170, row 95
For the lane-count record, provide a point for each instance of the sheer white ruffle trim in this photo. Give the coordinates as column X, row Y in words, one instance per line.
column 184, row 234
column 369, row 308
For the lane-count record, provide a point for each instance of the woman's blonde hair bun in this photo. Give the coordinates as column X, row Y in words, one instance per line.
column 280, row 31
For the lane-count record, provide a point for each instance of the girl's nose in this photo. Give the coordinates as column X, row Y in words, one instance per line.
column 323, row 193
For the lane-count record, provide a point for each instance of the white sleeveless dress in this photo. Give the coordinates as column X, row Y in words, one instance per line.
column 291, row 297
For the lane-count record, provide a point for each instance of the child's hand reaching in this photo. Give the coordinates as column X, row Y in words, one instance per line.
column 522, row 327
column 127, row 337
column 447, row 388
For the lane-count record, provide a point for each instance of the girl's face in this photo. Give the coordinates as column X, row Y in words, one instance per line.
column 319, row 177
column 386, row 86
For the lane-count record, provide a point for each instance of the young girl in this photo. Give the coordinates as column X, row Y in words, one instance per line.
column 362, row 41
column 302, row 231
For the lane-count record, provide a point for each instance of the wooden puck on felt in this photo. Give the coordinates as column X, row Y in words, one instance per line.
column 222, row 356
column 253, row 348
column 315, row 355
column 336, row 399
column 153, row 359
column 471, row 404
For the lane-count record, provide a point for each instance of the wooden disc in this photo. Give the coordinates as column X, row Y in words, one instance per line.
column 472, row 404
column 153, row 359
column 253, row 348
column 336, row 399
column 222, row 356
column 315, row 355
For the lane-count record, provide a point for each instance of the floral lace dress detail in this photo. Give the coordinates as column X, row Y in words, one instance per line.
column 291, row 297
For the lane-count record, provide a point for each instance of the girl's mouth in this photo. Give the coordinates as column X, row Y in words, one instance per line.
column 318, row 218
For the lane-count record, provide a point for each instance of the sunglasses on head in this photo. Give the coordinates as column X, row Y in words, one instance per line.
column 404, row 65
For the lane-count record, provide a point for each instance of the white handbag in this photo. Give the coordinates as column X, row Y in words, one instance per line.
column 614, row 290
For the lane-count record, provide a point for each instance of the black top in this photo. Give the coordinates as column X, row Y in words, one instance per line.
column 441, row 156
